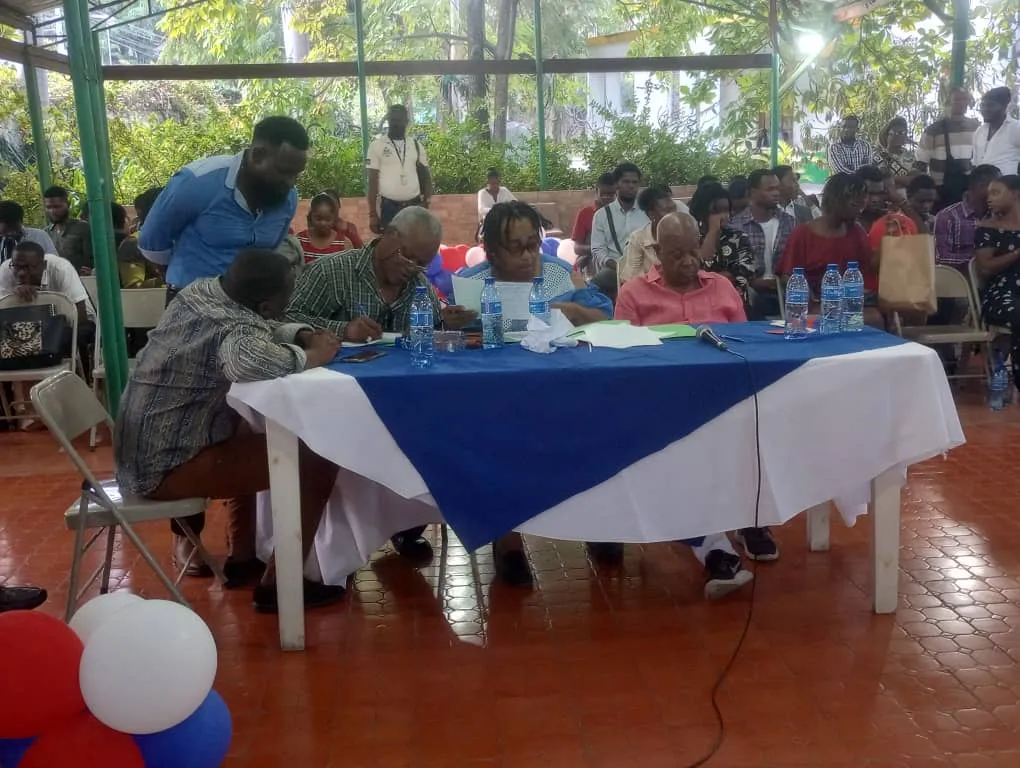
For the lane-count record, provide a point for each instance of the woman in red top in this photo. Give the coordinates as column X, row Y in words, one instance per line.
column 321, row 238
column 344, row 229
column 835, row 238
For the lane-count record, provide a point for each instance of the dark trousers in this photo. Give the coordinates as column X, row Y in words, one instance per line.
column 390, row 208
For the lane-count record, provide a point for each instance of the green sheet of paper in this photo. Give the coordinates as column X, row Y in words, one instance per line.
column 675, row 331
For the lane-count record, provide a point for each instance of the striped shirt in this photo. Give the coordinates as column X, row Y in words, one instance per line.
column 334, row 290
column 744, row 222
column 847, row 158
column 954, row 234
column 931, row 149
column 312, row 252
column 175, row 404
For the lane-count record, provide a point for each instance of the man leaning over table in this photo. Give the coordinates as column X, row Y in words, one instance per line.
column 679, row 291
column 175, row 435
column 358, row 295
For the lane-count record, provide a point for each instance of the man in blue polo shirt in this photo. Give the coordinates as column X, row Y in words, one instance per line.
column 211, row 210
column 214, row 207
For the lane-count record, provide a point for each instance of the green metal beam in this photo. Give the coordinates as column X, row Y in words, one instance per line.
column 359, row 29
column 87, row 84
column 776, row 101
column 43, row 162
column 961, row 33
column 543, row 181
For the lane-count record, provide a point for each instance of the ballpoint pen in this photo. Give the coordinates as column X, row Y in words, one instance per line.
column 732, row 338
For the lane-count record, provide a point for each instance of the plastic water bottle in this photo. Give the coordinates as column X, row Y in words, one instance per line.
column 538, row 302
column 422, row 329
column 832, row 301
column 853, row 298
column 492, row 315
column 998, row 383
column 796, row 305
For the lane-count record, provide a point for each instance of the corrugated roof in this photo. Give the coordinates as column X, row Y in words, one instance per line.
column 28, row 7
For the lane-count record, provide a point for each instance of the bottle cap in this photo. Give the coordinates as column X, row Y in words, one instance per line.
column 490, row 281
column 833, row 266
column 798, row 270
column 852, row 265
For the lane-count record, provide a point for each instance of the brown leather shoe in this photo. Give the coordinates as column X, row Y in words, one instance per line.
column 197, row 567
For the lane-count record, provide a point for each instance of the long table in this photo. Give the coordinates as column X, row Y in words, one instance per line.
column 639, row 445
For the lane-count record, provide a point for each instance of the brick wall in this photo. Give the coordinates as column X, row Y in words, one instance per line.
column 459, row 213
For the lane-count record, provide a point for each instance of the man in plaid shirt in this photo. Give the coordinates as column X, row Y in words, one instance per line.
column 849, row 153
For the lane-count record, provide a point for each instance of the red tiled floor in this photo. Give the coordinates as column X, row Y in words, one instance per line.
column 615, row 668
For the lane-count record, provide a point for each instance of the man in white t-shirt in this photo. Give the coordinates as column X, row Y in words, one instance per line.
column 398, row 172
column 493, row 192
column 997, row 141
column 30, row 270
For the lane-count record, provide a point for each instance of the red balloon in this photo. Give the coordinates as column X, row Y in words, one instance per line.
column 83, row 742
column 39, row 659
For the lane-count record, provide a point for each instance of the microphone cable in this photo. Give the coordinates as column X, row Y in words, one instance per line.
column 720, row 734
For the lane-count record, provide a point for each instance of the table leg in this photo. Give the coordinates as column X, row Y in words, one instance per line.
column 885, row 540
column 818, row 528
column 285, row 493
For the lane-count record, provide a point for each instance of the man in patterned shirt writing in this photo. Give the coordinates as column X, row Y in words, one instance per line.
column 359, row 295
column 176, row 437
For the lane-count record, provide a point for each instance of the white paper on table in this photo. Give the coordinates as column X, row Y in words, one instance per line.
column 389, row 338
column 620, row 336
column 514, row 296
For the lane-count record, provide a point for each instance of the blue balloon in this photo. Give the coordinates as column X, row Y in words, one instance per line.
column 551, row 246
column 12, row 750
column 201, row 741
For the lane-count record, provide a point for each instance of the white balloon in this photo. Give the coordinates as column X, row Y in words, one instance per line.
column 148, row 668
column 566, row 251
column 98, row 610
column 475, row 256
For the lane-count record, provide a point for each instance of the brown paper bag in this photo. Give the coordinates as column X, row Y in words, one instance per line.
column 906, row 275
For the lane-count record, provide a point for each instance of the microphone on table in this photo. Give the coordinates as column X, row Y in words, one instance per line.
column 707, row 335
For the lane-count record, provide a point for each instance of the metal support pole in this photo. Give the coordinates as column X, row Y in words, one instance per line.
column 776, row 105
column 43, row 163
column 540, row 89
column 359, row 29
column 961, row 32
column 84, row 78
column 102, row 125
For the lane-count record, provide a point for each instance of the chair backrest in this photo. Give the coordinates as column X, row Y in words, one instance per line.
column 91, row 288
column 143, row 307
column 61, row 305
column 69, row 409
column 951, row 284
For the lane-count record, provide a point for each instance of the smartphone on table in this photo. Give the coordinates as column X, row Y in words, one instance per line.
column 364, row 356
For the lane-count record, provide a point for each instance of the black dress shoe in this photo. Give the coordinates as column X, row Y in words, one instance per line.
column 241, row 573
column 513, row 568
column 316, row 596
column 413, row 546
column 21, row 598
column 606, row 552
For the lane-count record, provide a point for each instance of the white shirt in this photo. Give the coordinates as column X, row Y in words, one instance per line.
column 59, row 276
column 397, row 162
column 1002, row 150
column 770, row 229
column 603, row 247
column 486, row 201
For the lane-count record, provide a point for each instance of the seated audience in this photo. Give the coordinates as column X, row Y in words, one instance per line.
column 321, row 237
column 997, row 250
column 493, row 192
column 176, row 437
column 605, row 193
column 639, row 255
column 723, row 250
column 135, row 270
column 359, row 295
column 954, row 225
column 678, row 290
column 14, row 231
column 835, row 238
column 738, row 194
column 791, row 198
column 118, row 217
column 510, row 236
column 71, row 236
column 911, row 217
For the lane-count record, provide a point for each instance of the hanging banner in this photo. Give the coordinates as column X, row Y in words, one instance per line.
column 858, row 9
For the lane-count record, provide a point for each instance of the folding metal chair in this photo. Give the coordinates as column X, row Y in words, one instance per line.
column 69, row 409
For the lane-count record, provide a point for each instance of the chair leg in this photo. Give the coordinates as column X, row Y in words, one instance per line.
column 147, row 556
column 111, row 533
column 201, row 551
column 79, row 543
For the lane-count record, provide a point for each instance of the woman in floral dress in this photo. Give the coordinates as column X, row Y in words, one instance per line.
column 723, row 250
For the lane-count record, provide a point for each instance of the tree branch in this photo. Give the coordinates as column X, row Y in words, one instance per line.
column 450, row 38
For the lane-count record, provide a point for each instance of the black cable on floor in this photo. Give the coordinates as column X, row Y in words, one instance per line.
column 720, row 735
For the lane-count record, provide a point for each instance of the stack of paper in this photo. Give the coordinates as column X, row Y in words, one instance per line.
column 620, row 334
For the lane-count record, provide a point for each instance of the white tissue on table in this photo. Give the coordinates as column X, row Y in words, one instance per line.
column 544, row 338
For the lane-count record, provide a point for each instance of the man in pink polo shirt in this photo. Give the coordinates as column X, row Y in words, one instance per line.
column 680, row 291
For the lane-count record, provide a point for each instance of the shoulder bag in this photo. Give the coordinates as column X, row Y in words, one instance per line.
column 32, row 336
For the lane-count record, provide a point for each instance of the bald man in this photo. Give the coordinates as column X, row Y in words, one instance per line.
column 680, row 291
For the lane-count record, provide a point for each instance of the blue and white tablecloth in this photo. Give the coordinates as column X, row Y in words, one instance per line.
column 643, row 444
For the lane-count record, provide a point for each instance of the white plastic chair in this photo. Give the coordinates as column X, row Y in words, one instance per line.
column 61, row 305
column 141, row 308
column 91, row 288
column 69, row 409
column 951, row 284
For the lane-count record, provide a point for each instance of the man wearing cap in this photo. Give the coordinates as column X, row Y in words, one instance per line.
column 997, row 142
column 849, row 153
